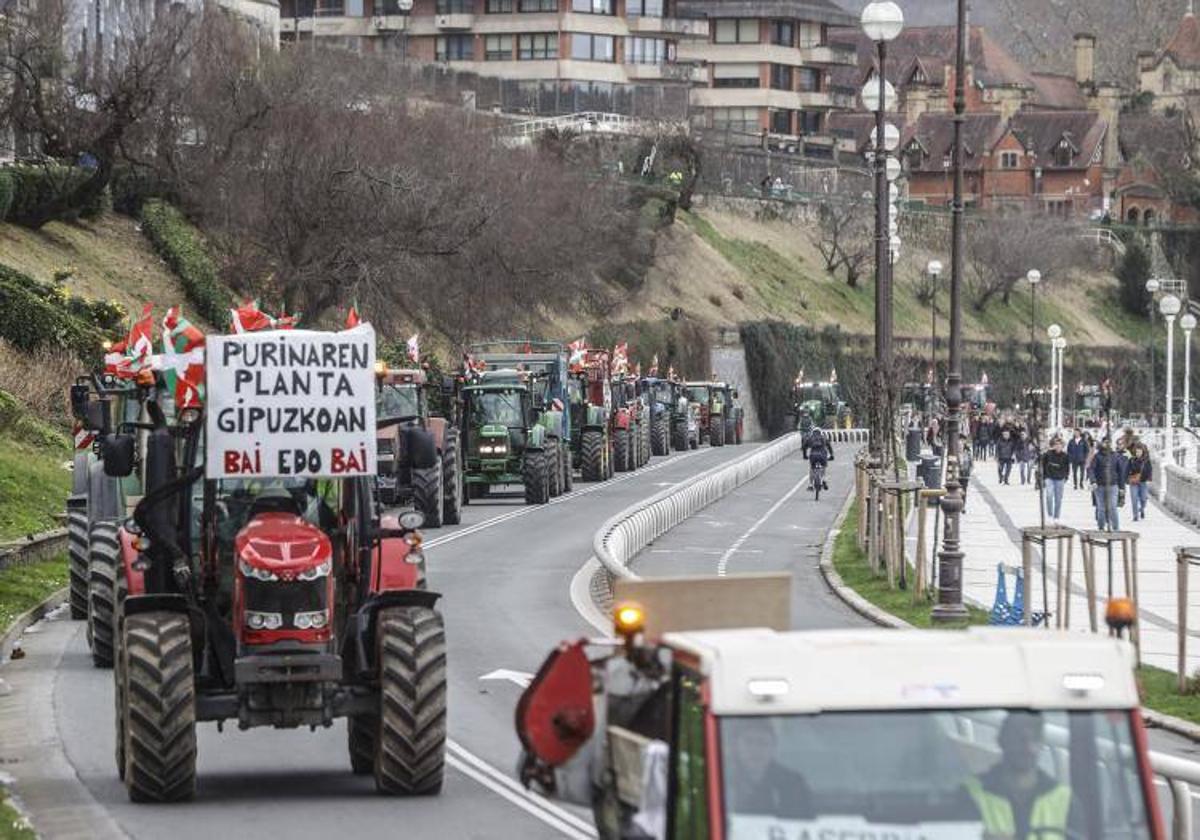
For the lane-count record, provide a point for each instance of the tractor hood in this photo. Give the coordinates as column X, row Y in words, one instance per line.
column 493, row 431
column 283, row 545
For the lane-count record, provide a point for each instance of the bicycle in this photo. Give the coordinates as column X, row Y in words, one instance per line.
column 818, row 480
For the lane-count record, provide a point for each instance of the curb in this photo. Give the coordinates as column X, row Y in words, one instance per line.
column 856, row 602
column 10, row 636
column 32, row 548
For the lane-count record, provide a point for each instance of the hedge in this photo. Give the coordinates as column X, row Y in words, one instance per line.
column 28, row 321
column 36, row 188
column 181, row 246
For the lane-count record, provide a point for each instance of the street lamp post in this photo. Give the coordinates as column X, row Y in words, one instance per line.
column 1152, row 287
column 949, row 607
column 1169, row 306
column 882, row 21
column 1055, row 333
column 1061, row 345
column 1034, row 277
column 934, row 270
column 1188, row 323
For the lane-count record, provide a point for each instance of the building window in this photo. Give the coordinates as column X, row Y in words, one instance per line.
column 783, row 33
column 537, row 5
column 1063, row 154
column 593, row 7
column 741, row 31
column 781, row 122
column 810, row 34
column 811, row 122
column 743, row 120
column 498, row 48
column 646, row 51
column 735, row 76
column 501, row 7
column 455, row 7
column 915, row 157
column 454, row 48
column 1010, row 160
column 809, row 79
column 643, row 8
column 593, row 47
column 781, row 77
column 533, row 47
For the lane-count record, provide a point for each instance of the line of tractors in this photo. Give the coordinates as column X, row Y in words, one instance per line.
column 289, row 601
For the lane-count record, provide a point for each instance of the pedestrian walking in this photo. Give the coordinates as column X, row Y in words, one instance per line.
column 983, row 434
column 1077, row 454
column 1056, row 466
column 1005, row 451
column 1107, row 475
column 1140, row 474
column 1025, row 455
column 966, row 463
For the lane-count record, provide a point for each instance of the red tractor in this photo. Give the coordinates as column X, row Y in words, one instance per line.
column 631, row 421
column 592, row 415
column 271, row 599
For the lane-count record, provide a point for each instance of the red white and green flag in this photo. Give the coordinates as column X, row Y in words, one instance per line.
column 353, row 319
column 413, row 347
column 136, row 353
column 183, row 359
column 249, row 318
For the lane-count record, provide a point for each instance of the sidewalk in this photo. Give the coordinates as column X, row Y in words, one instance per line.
column 991, row 532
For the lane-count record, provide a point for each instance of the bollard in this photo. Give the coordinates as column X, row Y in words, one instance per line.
column 1184, row 557
column 922, row 518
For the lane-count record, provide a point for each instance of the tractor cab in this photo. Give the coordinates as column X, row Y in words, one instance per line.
column 1089, row 405
column 979, row 397
column 703, row 721
column 824, row 403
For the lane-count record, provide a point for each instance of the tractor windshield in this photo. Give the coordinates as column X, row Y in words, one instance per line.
column 661, row 393
column 934, row 774
column 1088, row 402
column 498, row 408
column 398, row 401
column 813, row 393
column 698, row 393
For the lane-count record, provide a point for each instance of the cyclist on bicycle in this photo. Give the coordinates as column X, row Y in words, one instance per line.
column 819, row 452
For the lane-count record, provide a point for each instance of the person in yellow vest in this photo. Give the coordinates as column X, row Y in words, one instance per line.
column 1017, row 800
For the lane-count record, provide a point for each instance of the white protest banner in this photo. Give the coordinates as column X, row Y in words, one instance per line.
column 290, row 403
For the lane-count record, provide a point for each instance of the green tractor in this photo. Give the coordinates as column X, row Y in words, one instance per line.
column 823, row 402
column 507, row 436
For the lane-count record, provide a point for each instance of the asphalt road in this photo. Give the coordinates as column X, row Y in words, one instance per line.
column 505, row 575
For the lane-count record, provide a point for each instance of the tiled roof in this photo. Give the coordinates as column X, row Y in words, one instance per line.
column 818, row 11
column 1052, row 90
column 935, row 47
column 1184, row 47
column 935, row 133
column 860, row 125
column 1041, row 132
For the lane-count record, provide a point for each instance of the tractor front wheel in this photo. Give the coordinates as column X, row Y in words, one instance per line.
column 106, row 591
column 621, row 450
column 427, row 494
column 567, row 468
column 679, row 434
column 452, row 481
column 594, row 468
column 536, row 476
column 660, row 440
column 554, row 468
column 159, row 715
column 730, row 431
column 716, row 433
column 77, row 551
column 410, row 754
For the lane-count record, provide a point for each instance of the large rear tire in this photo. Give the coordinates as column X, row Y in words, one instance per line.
column 77, row 554
column 536, row 476
column 452, row 480
column 730, row 431
column 411, row 753
column 427, row 494
column 716, row 433
column 660, row 439
column 363, row 740
column 554, row 468
column 106, row 591
column 592, row 458
column 644, row 451
column 567, row 468
column 160, row 708
column 120, row 693
column 679, row 435
column 621, row 450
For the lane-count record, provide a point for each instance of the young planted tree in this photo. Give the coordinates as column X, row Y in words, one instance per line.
column 845, row 236
column 1001, row 249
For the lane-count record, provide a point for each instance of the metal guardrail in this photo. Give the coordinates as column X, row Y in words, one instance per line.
column 1179, row 774
column 585, row 121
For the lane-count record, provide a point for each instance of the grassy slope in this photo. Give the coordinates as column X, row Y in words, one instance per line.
column 12, row 825
column 722, row 268
column 24, row 587
column 33, row 486
column 109, row 258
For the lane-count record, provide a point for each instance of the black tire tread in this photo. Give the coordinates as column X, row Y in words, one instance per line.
column 106, row 591
column 621, row 454
column 536, row 477
column 452, row 483
column 77, row 553
column 592, row 457
column 427, row 494
column 410, row 758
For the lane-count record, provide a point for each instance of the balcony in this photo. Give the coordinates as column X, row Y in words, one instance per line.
column 690, row 73
column 830, row 55
column 335, row 26
column 759, row 97
column 454, row 22
column 678, row 27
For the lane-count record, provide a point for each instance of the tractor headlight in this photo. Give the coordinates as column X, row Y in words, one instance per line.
column 263, row 620
column 493, row 449
column 310, row 620
column 318, row 571
column 254, row 572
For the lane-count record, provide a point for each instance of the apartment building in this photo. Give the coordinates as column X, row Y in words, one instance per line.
column 767, row 71
column 573, row 43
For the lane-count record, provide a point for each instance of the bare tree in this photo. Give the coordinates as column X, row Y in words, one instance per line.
column 845, row 236
column 1001, row 249
column 78, row 103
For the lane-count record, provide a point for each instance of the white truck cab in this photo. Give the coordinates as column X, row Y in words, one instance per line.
column 767, row 734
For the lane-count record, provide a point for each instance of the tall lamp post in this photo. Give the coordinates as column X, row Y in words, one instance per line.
column 1187, row 323
column 1060, row 344
column 1152, row 287
column 949, row 607
column 881, row 22
column 1033, row 276
column 934, row 270
column 1169, row 306
column 1055, row 333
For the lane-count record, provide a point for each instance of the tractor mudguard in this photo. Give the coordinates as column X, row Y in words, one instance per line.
column 161, row 602
column 361, row 643
column 392, row 569
column 436, row 426
column 596, row 418
column 104, row 504
column 536, row 438
column 554, row 423
column 421, row 448
column 135, row 578
column 623, row 419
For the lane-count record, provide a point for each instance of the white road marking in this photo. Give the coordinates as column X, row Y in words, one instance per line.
column 723, row 563
column 521, row 678
column 512, row 790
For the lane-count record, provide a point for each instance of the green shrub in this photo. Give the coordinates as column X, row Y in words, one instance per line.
column 131, row 188
column 7, row 190
column 39, row 192
column 29, row 320
column 181, row 246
